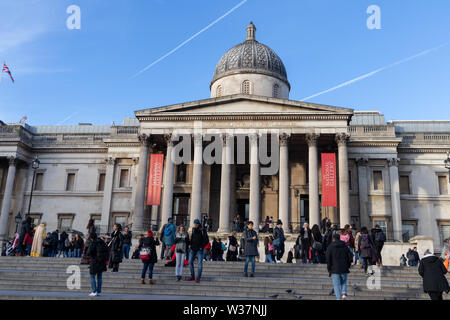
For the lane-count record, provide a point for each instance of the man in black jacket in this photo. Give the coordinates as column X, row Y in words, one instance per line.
column 25, row 228
column 339, row 260
column 127, row 237
column 199, row 239
column 432, row 270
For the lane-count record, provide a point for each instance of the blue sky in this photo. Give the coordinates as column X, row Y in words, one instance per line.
column 70, row 76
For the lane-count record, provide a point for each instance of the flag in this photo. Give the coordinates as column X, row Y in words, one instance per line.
column 6, row 69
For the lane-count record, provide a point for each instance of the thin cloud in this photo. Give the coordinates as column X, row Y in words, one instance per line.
column 67, row 118
column 191, row 38
column 367, row 75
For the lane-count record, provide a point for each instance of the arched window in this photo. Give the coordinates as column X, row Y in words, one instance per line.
column 219, row 91
column 276, row 91
column 246, row 87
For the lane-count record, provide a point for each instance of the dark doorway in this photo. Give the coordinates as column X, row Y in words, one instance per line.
column 181, row 202
column 243, row 208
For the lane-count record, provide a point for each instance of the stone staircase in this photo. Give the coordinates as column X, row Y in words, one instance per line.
column 46, row 278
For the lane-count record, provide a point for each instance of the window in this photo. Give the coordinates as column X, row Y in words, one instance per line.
column 443, row 185
column 101, row 182
column 378, row 180
column 123, row 182
column 121, row 218
column 70, row 185
column 65, row 222
column 404, row 184
column 38, row 181
column 276, row 91
column 35, row 218
column 246, row 87
column 409, row 230
column 181, row 173
column 97, row 220
column 219, row 91
column 444, row 230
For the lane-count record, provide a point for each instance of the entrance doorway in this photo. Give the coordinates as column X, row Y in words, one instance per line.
column 181, row 206
column 243, row 206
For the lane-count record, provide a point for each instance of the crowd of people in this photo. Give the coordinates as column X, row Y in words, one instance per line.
column 339, row 248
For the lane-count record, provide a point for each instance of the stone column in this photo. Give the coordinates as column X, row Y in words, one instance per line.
column 233, row 203
column 284, row 192
column 225, row 185
column 6, row 204
column 314, row 213
column 395, row 199
column 154, row 216
column 107, row 195
column 196, row 191
column 344, row 197
column 255, row 213
column 363, row 192
column 167, row 204
column 139, row 206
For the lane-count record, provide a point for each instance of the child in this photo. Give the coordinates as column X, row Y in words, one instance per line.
column 403, row 261
column 290, row 256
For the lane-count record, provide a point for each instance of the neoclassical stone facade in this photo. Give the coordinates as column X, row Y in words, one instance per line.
column 388, row 173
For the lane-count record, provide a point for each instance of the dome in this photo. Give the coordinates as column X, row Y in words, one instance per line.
column 251, row 56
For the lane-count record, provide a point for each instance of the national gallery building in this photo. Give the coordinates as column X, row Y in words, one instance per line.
column 387, row 173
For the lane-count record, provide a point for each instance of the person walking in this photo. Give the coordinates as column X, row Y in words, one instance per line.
column 98, row 254
column 168, row 239
column 278, row 242
column 115, row 248
column 78, row 246
column 127, row 236
column 356, row 249
column 339, row 260
column 232, row 246
column 251, row 248
column 182, row 243
column 61, row 244
column 216, row 250
column 237, row 223
column 25, row 227
column 147, row 249
column 306, row 242
column 366, row 247
column 379, row 239
column 199, row 239
column 37, row 246
column 413, row 257
column 268, row 249
column 317, row 253
column 28, row 242
column 432, row 270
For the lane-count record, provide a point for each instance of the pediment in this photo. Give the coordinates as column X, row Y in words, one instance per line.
column 244, row 105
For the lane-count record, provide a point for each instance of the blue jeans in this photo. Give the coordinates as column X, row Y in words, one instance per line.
column 163, row 248
column 149, row 266
column 280, row 250
column 96, row 287
column 126, row 251
column 339, row 284
column 247, row 260
column 199, row 254
column 356, row 255
column 77, row 253
column 269, row 258
column 28, row 249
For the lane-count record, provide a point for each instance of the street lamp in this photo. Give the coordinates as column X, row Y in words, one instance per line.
column 35, row 166
column 18, row 219
column 447, row 164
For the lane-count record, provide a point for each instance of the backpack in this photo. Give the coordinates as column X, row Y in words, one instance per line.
column 102, row 252
column 364, row 242
column 224, row 247
column 168, row 231
column 145, row 254
column 380, row 236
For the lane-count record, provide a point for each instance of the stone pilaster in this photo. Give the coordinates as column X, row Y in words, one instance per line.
column 107, row 195
column 314, row 212
column 6, row 204
column 284, row 192
column 363, row 192
column 255, row 192
column 344, row 197
column 395, row 199
column 196, row 191
column 166, row 208
column 225, row 184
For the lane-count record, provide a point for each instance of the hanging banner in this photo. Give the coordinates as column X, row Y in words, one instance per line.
column 155, row 179
column 329, row 180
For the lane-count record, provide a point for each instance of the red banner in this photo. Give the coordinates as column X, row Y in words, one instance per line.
column 329, row 180
column 155, row 179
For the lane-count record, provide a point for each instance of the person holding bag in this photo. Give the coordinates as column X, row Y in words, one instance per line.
column 232, row 247
column 181, row 245
column 115, row 257
column 147, row 250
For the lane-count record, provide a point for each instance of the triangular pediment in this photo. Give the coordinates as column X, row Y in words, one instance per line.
column 243, row 104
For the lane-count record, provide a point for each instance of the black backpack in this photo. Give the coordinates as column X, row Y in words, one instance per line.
column 102, row 252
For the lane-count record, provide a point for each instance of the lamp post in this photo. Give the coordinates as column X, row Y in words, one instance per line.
column 447, row 164
column 35, row 166
column 18, row 219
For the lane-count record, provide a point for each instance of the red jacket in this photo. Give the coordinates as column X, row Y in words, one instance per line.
column 28, row 240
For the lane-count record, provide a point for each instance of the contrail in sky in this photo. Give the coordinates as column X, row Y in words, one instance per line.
column 367, row 75
column 191, row 38
column 68, row 118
